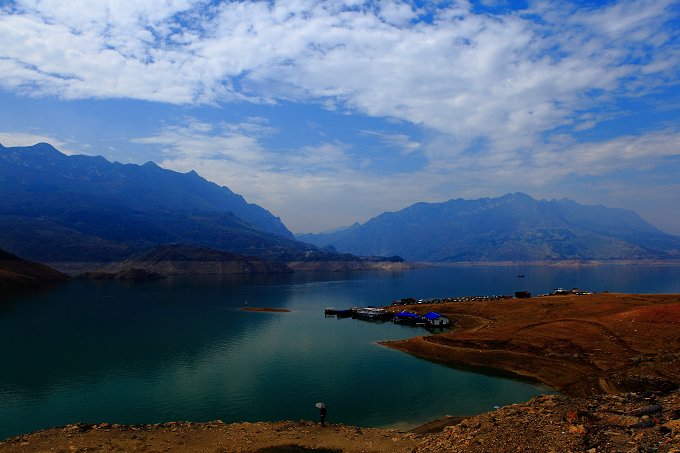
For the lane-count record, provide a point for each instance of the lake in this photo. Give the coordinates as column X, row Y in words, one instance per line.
column 179, row 348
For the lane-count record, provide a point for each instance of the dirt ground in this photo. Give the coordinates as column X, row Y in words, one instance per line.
column 213, row 437
column 625, row 423
column 578, row 344
column 615, row 355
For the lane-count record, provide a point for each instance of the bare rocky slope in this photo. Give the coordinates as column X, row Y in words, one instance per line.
column 189, row 260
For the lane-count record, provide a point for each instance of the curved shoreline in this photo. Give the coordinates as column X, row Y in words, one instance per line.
column 578, row 345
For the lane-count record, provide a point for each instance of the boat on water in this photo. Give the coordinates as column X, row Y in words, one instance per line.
column 345, row 313
column 405, row 318
column 373, row 313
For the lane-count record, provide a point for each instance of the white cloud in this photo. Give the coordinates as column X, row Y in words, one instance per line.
column 466, row 74
column 11, row 139
column 233, row 143
column 399, row 141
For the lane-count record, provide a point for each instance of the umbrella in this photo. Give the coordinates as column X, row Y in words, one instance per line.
column 320, row 405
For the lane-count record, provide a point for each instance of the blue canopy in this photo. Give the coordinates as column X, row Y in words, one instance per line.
column 406, row 314
column 432, row 315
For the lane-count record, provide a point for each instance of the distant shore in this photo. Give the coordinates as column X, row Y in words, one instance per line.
column 282, row 310
column 555, row 263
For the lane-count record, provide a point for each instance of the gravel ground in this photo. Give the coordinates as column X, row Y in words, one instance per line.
column 634, row 422
column 630, row 423
column 213, row 437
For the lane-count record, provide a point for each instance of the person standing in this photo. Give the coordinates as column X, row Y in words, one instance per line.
column 323, row 414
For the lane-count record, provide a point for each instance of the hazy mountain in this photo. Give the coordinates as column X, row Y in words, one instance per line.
column 27, row 172
column 514, row 227
column 327, row 237
column 55, row 207
column 81, row 212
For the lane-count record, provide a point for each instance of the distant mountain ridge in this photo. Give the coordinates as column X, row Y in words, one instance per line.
column 39, row 168
column 512, row 228
column 82, row 213
column 326, row 238
column 58, row 208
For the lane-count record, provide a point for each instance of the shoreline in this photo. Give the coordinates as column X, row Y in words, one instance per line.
column 578, row 345
column 646, row 421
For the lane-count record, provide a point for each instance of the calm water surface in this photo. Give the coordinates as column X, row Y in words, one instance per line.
column 179, row 348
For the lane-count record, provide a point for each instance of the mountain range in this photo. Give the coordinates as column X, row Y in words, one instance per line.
column 511, row 228
column 56, row 208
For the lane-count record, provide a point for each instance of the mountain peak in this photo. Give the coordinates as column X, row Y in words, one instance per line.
column 147, row 188
column 512, row 228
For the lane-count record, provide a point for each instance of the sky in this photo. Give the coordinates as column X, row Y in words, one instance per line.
column 332, row 112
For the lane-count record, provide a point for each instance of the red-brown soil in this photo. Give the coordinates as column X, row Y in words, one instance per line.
column 578, row 344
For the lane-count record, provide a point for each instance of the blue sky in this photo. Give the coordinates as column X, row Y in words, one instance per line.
column 331, row 112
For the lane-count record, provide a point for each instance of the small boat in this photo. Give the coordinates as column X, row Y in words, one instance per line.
column 373, row 313
column 409, row 319
column 344, row 313
column 331, row 311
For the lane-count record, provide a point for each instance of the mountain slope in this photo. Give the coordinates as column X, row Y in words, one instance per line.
column 185, row 259
column 56, row 208
column 38, row 169
column 514, row 227
column 19, row 273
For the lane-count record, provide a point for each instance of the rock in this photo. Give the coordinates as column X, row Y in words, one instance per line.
column 649, row 410
column 671, row 426
column 577, row 429
column 644, row 424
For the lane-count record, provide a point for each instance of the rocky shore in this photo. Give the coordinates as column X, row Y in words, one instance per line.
column 624, row 423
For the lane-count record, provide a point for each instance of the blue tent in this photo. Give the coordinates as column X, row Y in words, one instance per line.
column 432, row 315
column 404, row 314
column 435, row 319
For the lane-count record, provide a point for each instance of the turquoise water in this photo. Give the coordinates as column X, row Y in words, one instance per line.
column 179, row 348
